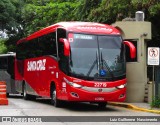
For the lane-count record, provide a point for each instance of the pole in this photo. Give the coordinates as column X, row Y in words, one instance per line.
column 153, row 84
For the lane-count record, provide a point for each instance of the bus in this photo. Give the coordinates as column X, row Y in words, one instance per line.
column 73, row 61
column 7, row 71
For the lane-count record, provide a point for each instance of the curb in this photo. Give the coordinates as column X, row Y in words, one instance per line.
column 133, row 107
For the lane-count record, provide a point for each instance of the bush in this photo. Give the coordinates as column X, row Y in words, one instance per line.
column 156, row 102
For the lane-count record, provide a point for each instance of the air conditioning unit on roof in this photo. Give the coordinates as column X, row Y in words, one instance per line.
column 139, row 16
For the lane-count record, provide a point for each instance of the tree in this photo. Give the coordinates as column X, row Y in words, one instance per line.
column 3, row 48
column 11, row 21
column 23, row 17
column 7, row 13
column 85, row 7
column 109, row 11
column 36, row 17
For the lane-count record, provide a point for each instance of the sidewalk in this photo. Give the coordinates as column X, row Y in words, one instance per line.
column 137, row 106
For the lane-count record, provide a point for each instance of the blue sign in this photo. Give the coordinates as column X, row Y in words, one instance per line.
column 103, row 72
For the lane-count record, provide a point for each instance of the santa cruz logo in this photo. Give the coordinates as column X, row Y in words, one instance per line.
column 36, row 65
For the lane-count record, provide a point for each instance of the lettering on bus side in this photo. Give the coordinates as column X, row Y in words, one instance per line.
column 36, row 65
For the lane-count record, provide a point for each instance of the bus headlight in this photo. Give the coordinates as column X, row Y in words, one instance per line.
column 76, row 85
column 72, row 84
column 121, row 86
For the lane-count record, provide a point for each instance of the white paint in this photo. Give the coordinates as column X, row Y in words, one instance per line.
column 36, row 65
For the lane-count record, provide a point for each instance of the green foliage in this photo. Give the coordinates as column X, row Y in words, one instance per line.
column 154, row 9
column 156, row 102
column 7, row 13
column 85, row 7
column 23, row 17
column 3, row 48
column 11, row 42
column 10, row 14
column 38, row 16
column 108, row 11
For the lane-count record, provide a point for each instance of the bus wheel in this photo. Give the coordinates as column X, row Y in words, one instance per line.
column 102, row 104
column 54, row 100
column 25, row 95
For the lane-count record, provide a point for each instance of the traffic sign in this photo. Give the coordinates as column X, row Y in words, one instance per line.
column 153, row 56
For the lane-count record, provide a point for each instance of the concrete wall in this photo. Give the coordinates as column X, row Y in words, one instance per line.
column 139, row 31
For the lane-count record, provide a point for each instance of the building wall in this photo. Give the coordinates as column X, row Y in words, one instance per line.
column 139, row 31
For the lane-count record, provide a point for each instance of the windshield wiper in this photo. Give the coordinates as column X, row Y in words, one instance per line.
column 93, row 65
column 106, row 65
column 102, row 64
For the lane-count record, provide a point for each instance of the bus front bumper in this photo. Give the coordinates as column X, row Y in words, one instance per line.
column 96, row 94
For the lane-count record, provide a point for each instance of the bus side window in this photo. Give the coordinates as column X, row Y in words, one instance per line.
column 3, row 63
column 53, row 44
column 61, row 33
column 31, row 48
column 21, row 53
column 10, row 69
column 47, row 44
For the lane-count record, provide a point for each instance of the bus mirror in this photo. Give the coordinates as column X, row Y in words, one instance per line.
column 131, row 48
column 66, row 46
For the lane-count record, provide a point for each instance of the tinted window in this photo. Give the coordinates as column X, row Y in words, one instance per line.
column 21, row 53
column 91, row 54
column 63, row 60
column 110, row 42
column 47, row 45
column 3, row 62
column 10, row 69
column 44, row 45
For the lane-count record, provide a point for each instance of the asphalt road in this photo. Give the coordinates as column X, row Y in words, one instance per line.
column 42, row 107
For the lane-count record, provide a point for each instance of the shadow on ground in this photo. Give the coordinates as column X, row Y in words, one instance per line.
column 72, row 106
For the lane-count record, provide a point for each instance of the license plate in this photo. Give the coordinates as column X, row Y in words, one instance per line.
column 99, row 98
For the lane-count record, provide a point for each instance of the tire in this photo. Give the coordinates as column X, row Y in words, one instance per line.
column 25, row 95
column 102, row 104
column 54, row 100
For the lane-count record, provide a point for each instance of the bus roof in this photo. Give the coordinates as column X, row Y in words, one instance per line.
column 81, row 27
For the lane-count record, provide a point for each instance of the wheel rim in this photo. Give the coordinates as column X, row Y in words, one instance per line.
column 54, row 96
column 24, row 93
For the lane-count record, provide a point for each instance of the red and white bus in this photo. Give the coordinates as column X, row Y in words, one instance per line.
column 73, row 61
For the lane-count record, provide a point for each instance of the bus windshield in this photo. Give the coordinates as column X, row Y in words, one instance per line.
column 96, row 56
